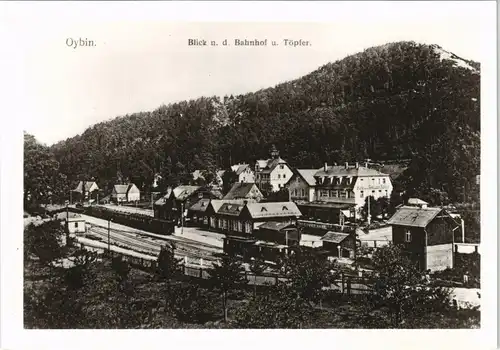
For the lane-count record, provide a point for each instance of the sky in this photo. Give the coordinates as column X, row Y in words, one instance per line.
column 141, row 58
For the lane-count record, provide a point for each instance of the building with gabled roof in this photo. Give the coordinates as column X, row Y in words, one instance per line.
column 274, row 171
column 125, row 193
column 247, row 191
column 244, row 172
column 175, row 203
column 340, row 244
column 302, row 185
column 426, row 235
column 85, row 189
column 351, row 184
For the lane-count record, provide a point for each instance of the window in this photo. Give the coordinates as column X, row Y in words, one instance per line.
column 76, row 224
column 200, row 195
column 383, row 180
column 380, row 191
column 279, row 176
column 324, row 193
column 407, row 236
column 379, row 181
column 263, row 209
column 284, row 208
column 303, row 192
column 361, row 194
column 284, row 176
column 373, row 181
column 386, row 193
column 282, row 166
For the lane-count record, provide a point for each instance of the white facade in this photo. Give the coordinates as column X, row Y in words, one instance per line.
column 76, row 225
column 300, row 190
column 133, row 194
column 375, row 186
column 280, row 176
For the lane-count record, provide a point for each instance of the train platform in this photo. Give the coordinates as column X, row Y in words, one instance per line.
column 200, row 235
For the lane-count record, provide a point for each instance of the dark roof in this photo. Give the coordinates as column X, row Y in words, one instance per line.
column 275, row 225
column 163, row 199
column 414, row 216
column 201, row 205
column 327, row 205
column 242, row 190
column 334, row 237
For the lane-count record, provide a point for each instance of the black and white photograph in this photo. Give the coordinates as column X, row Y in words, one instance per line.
column 222, row 169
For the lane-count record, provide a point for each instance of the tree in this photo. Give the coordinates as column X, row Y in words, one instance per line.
column 309, row 273
column 257, row 266
column 399, row 289
column 227, row 275
column 229, row 178
column 189, row 303
column 278, row 307
column 43, row 183
column 121, row 269
column 169, row 267
column 44, row 241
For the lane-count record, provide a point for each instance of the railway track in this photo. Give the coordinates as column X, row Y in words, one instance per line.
column 178, row 240
column 145, row 245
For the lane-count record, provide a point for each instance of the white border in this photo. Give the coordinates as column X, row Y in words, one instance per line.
column 14, row 337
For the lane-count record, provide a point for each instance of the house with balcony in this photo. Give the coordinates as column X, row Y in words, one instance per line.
column 351, row 184
column 274, row 171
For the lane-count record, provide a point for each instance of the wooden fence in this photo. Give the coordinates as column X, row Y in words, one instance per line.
column 347, row 284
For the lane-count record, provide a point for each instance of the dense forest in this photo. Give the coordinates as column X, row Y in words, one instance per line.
column 397, row 101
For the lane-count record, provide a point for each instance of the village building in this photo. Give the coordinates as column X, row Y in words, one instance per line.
column 351, row 184
column 76, row 224
column 426, row 235
column 85, row 190
column 241, row 223
column 274, row 172
column 302, row 186
column 125, row 193
column 197, row 213
column 244, row 172
column 175, row 203
column 246, row 191
column 339, row 244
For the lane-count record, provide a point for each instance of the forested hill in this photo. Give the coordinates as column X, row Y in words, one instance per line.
column 399, row 100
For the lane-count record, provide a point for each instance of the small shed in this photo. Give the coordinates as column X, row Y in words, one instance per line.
column 76, row 225
column 340, row 244
column 278, row 232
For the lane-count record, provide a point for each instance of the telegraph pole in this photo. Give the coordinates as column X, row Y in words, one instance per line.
column 369, row 200
column 182, row 218
column 109, row 241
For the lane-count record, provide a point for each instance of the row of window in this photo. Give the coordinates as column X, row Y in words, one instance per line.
column 381, row 181
column 231, row 225
column 298, row 192
column 336, row 194
column 362, row 193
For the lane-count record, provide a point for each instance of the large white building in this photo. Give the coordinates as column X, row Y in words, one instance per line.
column 274, row 171
column 351, row 184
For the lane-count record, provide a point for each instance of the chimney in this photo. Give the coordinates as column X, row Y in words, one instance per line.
column 346, row 165
column 326, row 166
column 357, row 165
